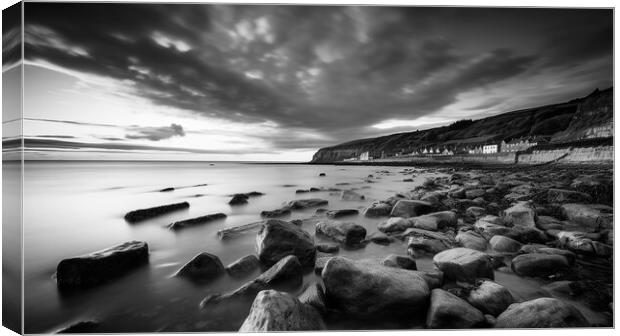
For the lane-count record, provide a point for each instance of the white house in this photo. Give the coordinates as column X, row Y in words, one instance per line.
column 489, row 149
column 364, row 156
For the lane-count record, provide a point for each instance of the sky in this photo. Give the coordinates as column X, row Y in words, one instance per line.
column 276, row 83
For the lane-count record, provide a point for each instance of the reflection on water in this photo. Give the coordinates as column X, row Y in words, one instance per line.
column 73, row 208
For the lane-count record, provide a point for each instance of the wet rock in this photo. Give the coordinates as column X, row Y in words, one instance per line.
column 463, row 264
column 488, row 230
column 167, row 189
column 239, row 199
column 327, row 248
column 541, row 313
column 278, row 311
column 410, row 208
column 427, row 241
column 475, row 213
column 526, row 234
column 319, row 264
column 433, row 197
column 286, row 273
column 239, row 230
column 434, row 278
column 365, row 289
column 474, row 193
column 101, row 266
column 575, row 241
column 435, row 221
column 457, row 193
column 549, row 223
column 520, row 214
column 203, row 267
column 567, row 196
column 341, row 213
column 275, row 213
column 395, row 224
column 602, row 250
column 378, row 209
column 314, row 295
column 592, row 217
column 196, row 221
column 380, row 238
column 471, row 239
column 306, row 203
column 399, row 261
column 350, row 195
column 343, row 232
column 277, row 239
column 539, row 264
column 504, row 244
column 243, row 266
column 448, row 311
column 601, row 189
column 144, row 214
column 534, row 248
column 322, row 174
column 490, row 297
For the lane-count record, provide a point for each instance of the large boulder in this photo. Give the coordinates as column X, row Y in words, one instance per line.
column 471, row 239
column 203, row 267
column 278, row 311
column 490, row 297
column 520, row 214
column 343, row 232
column 277, row 239
column 410, row 208
column 539, row 264
column 435, row 221
column 448, row 311
column 101, row 266
column 591, row 217
column 541, row 313
column 243, row 266
column 567, row 196
column 463, row 264
column 504, row 244
column 419, row 240
column 378, row 209
column 366, row 289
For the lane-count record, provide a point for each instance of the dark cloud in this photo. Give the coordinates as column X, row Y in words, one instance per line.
column 156, row 133
column 330, row 70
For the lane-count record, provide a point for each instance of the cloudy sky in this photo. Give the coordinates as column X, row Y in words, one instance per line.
column 233, row 82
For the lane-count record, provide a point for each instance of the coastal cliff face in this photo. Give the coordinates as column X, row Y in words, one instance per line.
column 582, row 118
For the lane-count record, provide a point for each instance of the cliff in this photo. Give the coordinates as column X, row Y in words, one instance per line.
column 581, row 118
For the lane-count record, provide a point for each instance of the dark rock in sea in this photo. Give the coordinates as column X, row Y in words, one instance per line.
column 365, row 289
column 81, row 327
column 504, row 244
column 244, row 266
column 435, row 221
column 378, row 209
column 306, row 203
column 448, row 311
column 536, row 248
column 285, row 274
column 379, row 238
column 471, row 239
column 410, row 208
column 490, row 297
column 322, row 174
column 195, row 221
column 395, row 224
column 346, row 233
column 239, row 230
column 427, row 241
column 539, row 264
column 203, row 267
column 277, row 239
column 541, row 313
column 399, row 261
column 327, row 248
column 526, row 234
column 254, row 194
column 101, row 266
column 143, row 214
column 239, row 199
column 350, row 195
column 341, row 213
column 167, row 189
column 463, row 264
column 314, row 295
column 283, row 212
column 278, row 311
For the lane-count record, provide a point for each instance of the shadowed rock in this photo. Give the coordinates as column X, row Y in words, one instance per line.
column 282, row 212
column 98, row 267
column 541, row 313
column 203, row 267
column 504, row 244
column 277, row 239
column 409, row 208
column 314, row 295
column 427, row 241
column 567, row 196
column 343, row 232
column 239, row 199
column 490, row 297
column 378, row 209
column 592, row 217
column 341, row 213
column 463, row 264
column 306, row 203
column 539, row 264
column 243, row 266
column 239, row 230
column 398, row 261
column 143, row 214
column 448, row 311
column 520, row 214
column 195, row 221
column 471, row 239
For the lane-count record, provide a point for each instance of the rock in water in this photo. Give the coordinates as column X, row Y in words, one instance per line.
column 143, row 214
column 520, row 214
column 463, row 264
column 243, row 266
column 350, row 195
column 314, row 295
column 435, row 221
column 282, row 212
column 341, row 213
column 365, row 289
column 328, row 248
column 98, row 267
column 278, row 311
column 404, row 262
column 277, row 239
column 504, row 244
column 471, row 239
column 378, row 209
column 203, row 267
column 239, row 199
column 343, row 232
column 427, row 241
column 306, row 203
column 448, row 311
column 539, row 264
column 490, row 297
column 196, row 221
column 409, row 208
column 541, row 313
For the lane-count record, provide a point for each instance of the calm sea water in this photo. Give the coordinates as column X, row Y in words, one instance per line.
column 73, row 208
